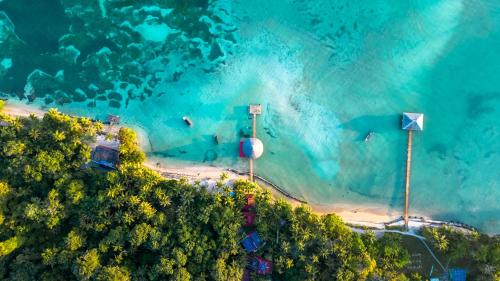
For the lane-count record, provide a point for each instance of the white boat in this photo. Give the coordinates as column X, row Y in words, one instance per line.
column 187, row 121
column 369, row 136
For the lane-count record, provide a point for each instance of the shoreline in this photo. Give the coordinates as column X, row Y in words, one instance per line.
column 368, row 216
column 371, row 217
column 19, row 109
column 374, row 216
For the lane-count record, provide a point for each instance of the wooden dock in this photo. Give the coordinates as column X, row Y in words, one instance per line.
column 254, row 126
column 408, row 169
column 254, row 135
column 253, row 110
column 251, row 169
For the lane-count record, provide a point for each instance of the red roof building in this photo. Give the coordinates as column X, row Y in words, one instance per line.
column 249, row 219
column 248, row 210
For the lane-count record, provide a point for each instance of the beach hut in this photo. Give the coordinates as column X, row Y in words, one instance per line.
column 251, row 242
column 255, row 109
column 413, row 121
column 113, row 119
column 260, row 265
column 105, row 157
column 251, row 148
column 458, row 274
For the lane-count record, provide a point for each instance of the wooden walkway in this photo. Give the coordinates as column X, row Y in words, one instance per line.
column 254, row 126
column 254, row 110
column 408, row 168
column 254, row 135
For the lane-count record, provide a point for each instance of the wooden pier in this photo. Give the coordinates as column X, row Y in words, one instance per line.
column 254, row 110
column 408, row 169
column 410, row 122
column 254, row 135
column 254, row 126
column 251, row 169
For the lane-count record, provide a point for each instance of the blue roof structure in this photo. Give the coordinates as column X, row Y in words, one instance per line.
column 458, row 274
column 251, row 242
column 413, row 121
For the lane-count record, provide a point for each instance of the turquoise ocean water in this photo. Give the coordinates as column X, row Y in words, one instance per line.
column 326, row 72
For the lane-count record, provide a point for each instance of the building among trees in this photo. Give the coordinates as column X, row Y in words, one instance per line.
column 251, row 242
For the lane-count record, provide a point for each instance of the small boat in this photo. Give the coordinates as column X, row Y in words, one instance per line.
column 187, row 121
column 369, row 136
column 113, row 119
column 216, row 139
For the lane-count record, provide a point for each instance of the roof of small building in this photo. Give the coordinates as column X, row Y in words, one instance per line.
column 251, row 242
column 113, row 119
column 458, row 274
column 251, row 148
column 249, row 218
column 105, row 156
column 413, row 121
column 255, row 109
column 260, row 265
column 248, row 208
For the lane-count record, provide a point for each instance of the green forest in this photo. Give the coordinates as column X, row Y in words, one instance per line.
column 63, row 219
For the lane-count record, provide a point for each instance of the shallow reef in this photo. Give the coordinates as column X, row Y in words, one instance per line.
column 109, row 51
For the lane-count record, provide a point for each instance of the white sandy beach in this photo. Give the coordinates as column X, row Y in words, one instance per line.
column 20, row 109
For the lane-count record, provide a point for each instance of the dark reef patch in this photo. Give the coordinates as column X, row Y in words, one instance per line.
column 38, row 23
column 115, row 104
column 70, row 45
